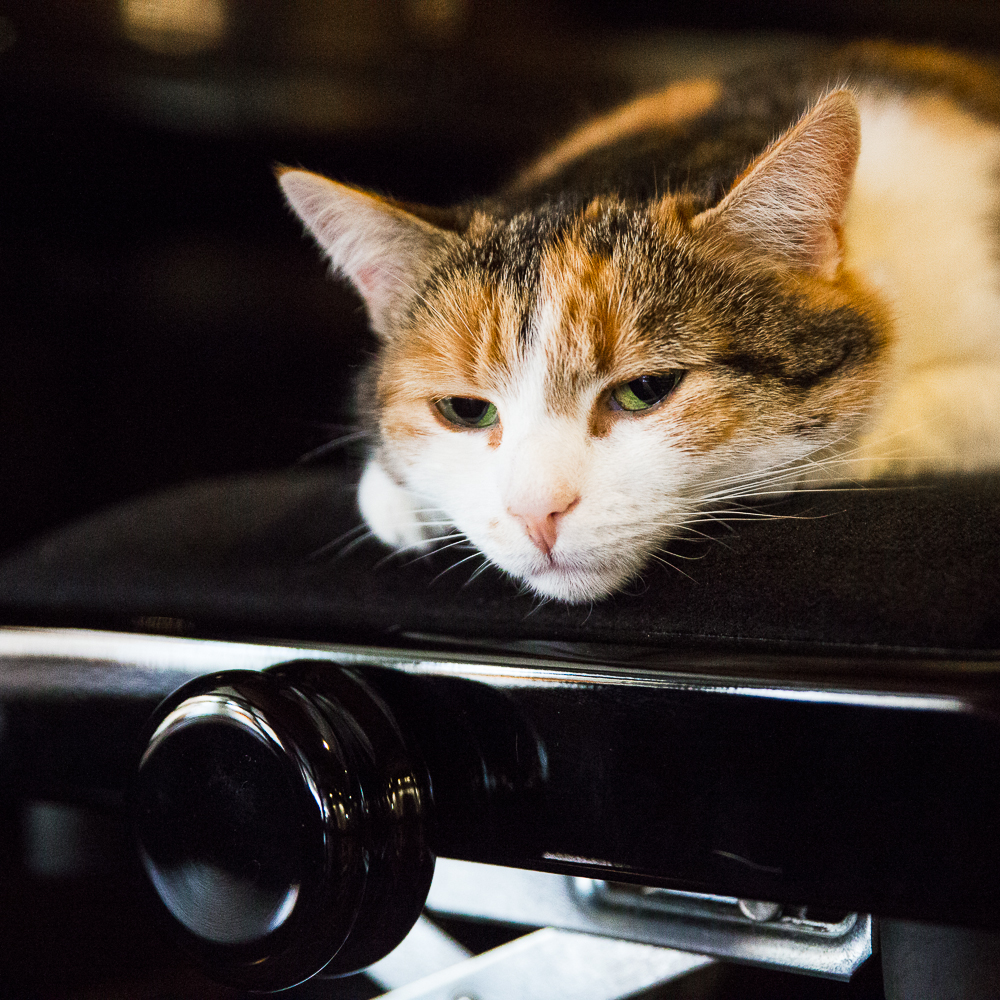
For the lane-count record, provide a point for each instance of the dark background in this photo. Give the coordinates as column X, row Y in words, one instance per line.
column 161, row 316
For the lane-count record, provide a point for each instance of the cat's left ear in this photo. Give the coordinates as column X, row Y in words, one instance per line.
column 788, row 204
column 379, row 245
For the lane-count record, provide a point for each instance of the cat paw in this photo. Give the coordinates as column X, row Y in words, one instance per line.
column 389, row 511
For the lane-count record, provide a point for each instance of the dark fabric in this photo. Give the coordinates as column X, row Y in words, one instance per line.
column 911, row 569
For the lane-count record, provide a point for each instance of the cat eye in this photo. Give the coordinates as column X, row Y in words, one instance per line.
column 467, row 412
column 645, row 392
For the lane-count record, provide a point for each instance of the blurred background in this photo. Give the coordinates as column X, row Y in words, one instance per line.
column 161, row 316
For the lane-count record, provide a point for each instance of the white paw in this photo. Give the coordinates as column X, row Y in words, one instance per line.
column 389, row 510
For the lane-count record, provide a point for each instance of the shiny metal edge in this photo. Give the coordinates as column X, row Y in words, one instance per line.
column 771, row 918
column 186, row 657
column 539, row 899
column 74, row 660
column 555, row 964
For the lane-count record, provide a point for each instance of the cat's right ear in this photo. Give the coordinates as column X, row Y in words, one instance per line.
column 383, row 249
column 787, row 206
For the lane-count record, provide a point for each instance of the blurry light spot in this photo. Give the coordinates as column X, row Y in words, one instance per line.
column 162, row 624
column 64, row 841
column 175, row 27
column 439, row 21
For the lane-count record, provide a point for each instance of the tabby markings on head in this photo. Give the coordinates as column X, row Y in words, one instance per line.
column 569, row 373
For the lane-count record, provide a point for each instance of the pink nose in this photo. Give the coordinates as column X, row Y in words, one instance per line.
column 541, row 519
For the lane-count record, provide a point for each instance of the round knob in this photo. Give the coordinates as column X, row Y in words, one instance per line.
column 281, row 818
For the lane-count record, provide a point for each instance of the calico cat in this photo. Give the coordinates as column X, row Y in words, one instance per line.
column 669, row 311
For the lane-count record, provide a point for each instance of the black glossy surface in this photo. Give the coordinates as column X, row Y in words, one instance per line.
column 224, row 837
column 881, row 801
column 282, row 827
column 398, row 808
column 836, row 799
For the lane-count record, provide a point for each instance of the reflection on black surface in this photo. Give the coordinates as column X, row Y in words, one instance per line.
column 219, row 841
column 240, row 910
column 281, row 820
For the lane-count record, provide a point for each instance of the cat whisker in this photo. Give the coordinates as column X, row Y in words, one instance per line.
column 705, row 517
column 540, row 601
column 779, row 484
column 702, row 534
column 677, row 555
column 479, row 570
column 421, row 556
column 448, row 569
column 747, row 514
column 791, row 469
column 423, row 553
column 642, row 585
column 459, row 541
column 329, row 546
column 666, row 562
column 367, row 536
column 329, row 446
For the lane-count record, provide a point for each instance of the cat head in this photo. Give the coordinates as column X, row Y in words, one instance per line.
column 571, row 386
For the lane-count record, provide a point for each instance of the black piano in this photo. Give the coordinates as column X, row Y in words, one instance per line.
column 242, row 750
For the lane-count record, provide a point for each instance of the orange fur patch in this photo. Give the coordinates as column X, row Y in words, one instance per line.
column 678, row 103
column 464, row 344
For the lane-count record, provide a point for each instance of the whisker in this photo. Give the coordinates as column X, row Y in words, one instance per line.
column 677, row 555
column 327, row 546
column 460, row 540
column 701, row 534
column 540, row 601
column 676, row 569
column 747, row 514
column 328, row 446
column 448, row 569
column 368, row 535
column 479, row 569
column 420, row 546
column 482, row 569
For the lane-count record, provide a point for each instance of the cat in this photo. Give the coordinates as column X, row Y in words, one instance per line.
column 672, row 311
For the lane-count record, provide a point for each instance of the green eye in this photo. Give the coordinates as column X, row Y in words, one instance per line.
column 645, row 392
column 467, row 412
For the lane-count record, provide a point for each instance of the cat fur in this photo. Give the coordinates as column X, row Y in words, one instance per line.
column 832, row 295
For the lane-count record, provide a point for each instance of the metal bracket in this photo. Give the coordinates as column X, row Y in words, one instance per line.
column 705, row 925
column 546, row 965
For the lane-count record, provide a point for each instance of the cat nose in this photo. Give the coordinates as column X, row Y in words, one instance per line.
column 541, row 519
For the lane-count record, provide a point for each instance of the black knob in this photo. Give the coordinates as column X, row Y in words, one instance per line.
column 282, row 820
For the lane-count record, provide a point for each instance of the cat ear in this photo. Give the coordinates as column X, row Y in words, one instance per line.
column 788, row 203
column 382, row 248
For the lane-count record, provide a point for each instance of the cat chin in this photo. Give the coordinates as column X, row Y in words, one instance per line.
column 575, row 584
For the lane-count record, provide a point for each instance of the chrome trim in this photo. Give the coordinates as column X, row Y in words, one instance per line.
column 691, row 922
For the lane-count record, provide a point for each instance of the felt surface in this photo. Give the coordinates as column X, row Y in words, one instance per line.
column 908, row 569
column 911, row 569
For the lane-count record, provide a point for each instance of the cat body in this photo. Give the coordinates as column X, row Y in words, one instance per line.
column 672, row 311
